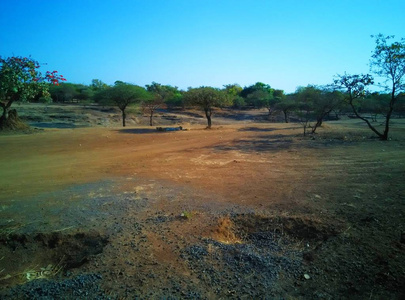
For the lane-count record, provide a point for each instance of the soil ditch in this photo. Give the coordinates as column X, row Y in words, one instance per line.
column 46, row 255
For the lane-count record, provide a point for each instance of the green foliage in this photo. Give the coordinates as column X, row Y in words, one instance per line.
column 84, row 92
column 374, row 104
column 232, row 92
column 163, row 92
column 65, row 92
column 159, row 95
column 287, row 105
column 388, row 61
column 207, row 98
column 314, row 104
column 355, row 88
column 97, row 85
column 261, row 95
column 20, row 80
column 186, row 215
column 176, row 100
column 122, row 95
column 239, row 102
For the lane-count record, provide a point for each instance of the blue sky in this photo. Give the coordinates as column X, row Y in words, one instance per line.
column 193, row 43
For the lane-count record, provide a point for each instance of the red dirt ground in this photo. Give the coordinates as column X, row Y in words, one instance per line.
column 336, row 200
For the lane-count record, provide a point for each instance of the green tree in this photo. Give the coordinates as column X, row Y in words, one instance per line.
column 159, row 94
column 207, row 98
column 388, row 61
column 355, row 88
column 262, row 95
column 375, row 104
column 84, row 92
column 20, row 80
column 232, row 91
column 287, row 105
column 305, row 98
column 122, row 95
column 97, row 85
column 314, row 104
column 64, row 92
column 175, row 100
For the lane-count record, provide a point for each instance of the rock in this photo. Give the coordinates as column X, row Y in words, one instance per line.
column 306, row 276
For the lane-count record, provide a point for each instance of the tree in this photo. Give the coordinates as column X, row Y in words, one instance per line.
column 305, row 98
column 375, row 104
column 261, row 95
column 287, row 105
column 84, row 92
column 159, row 95
column 97, row 85
column 355, row 87
column 122, row 95
column 64, row 92
column 323, row 105
column 20, row 80
column 69, row 92
column 207, row 98
column 388, row 61
column 232, row 91
column 176, row 99
column 314, row 104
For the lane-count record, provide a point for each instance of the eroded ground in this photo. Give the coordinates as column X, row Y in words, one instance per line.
column 245, row 210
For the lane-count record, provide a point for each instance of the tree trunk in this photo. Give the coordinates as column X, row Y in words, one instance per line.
column 269, row 114
column 285, row 115
column 124, row 115
column 317, row 124
column 3, row 118
column 384, row 136
column 208, row 113
column 151, row 118
column 10, row 120
column 381, row 136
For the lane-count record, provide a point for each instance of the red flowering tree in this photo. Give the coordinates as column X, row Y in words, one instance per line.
column 20, row 80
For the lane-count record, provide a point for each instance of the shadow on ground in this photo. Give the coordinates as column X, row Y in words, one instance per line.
column 261, row 129
column 139, row 130
column 263, row 143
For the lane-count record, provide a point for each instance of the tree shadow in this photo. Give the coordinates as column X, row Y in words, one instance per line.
column 139, row 130
column 261, row 129
column 257, row 129
column 264, row 143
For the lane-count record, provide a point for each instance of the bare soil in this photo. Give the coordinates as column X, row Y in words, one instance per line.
column 248, row 209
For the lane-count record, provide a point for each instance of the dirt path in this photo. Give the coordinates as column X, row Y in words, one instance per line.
column 237, row 211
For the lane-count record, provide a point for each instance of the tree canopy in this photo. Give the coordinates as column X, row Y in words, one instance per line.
column 122, row 95
column 207, row 98
column 20, row 80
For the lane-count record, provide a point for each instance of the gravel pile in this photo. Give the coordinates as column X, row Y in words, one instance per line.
column 79, row 287
column 246, row 269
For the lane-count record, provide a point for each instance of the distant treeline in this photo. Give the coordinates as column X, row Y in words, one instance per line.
column 257, row 96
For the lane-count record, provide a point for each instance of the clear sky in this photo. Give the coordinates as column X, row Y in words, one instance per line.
column 284, row 43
